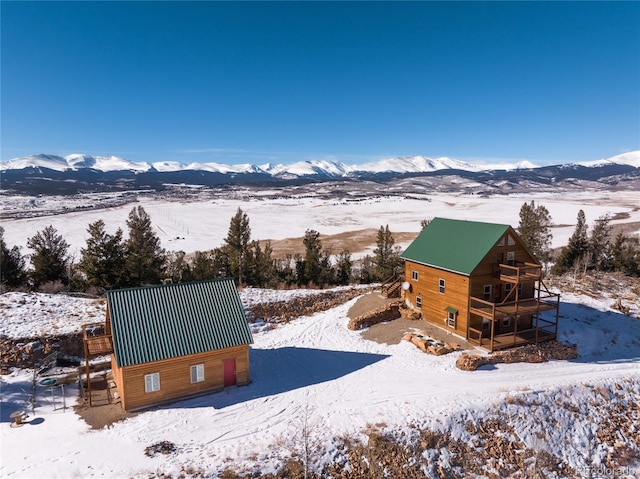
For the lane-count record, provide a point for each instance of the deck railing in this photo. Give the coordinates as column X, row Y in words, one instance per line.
column 517, row 274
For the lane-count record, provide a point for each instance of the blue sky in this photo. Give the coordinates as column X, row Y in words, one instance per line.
column 239, row 82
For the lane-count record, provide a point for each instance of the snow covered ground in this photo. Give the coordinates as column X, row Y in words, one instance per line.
column 317, row 371
column 203, row 225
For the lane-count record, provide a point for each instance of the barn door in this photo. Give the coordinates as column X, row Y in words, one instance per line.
column 229, row 372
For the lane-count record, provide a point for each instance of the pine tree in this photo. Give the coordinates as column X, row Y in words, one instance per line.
column 178, row 268
column 103, row 260
column 263, row 270
column 50, row 258
column 12, row 265
column 343, row 268
column 535, row 229
column 600, row 244
column 386, row 258
column 145, row 258
column 577, row 248
column 237, row 243
column 625, row 255
column 311, row 269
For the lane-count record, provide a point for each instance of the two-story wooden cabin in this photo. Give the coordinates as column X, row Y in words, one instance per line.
column 173, row 341
column 479, row 281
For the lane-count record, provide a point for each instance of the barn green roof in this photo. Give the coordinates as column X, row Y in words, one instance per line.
column 161, row 322
column 454, row 245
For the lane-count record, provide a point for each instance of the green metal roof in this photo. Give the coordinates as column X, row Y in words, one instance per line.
column 454, row 245
column 167, row 321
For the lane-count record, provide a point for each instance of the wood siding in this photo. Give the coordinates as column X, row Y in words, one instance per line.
column 487, row 271
column 175, row 377
column 456, row 295
column 459, row 287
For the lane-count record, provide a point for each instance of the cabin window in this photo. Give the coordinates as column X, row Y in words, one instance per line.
column 487, row 292
column 451, row 319
column 452, row 313
column 501, row 242
column 414, row 275
column 510, row 240
column 486, row 324
column 197, row 373
column 500, row 258
column 151, row 382
column 418, row 301
column 511, row 258
column 441, row 285
column 519, row 290
column 506, row 321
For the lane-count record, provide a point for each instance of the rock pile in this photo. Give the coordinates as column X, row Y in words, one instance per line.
column 387, row 312
column 531, row 353
column 285, row 311
column 26, row 352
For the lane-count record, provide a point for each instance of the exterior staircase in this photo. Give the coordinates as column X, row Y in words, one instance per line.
column 392, row 286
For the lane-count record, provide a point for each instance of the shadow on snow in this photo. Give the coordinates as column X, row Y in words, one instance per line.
column 601, row 336
column 276, row 371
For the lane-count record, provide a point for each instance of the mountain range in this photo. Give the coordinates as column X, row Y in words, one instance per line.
column 78, row 172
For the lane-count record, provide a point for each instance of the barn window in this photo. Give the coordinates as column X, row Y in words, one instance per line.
column 418, row 301
column 441, row 285
column 197, row 373
column 487, row 292
column 414, row 275
column 151, row 382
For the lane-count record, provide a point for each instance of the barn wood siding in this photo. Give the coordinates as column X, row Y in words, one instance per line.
column 433, row 302
column 175, row 377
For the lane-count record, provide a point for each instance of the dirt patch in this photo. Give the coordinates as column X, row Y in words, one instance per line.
column 101, row 416
column 357, row 241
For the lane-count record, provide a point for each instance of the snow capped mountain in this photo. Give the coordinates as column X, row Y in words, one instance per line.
column 415, row 164
column 75, row 162
column 631, row 158
column 404, row 165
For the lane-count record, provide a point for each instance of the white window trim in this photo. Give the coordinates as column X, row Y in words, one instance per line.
column 451, row 320
column 414, row 275
column 419, row 302
column 151, row 382
column 511, row 258
column 488, row 290
column 441, row 285
column 197, row 373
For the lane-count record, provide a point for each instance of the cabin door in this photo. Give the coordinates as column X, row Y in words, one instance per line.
column 229, row 372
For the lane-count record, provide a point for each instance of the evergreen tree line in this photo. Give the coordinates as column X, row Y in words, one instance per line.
column 108, row 261
column 597, row 250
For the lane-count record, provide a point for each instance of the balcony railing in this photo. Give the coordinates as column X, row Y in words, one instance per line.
column 518, row 274
column 489, row 310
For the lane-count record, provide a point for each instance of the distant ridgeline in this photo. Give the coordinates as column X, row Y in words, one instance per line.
column 52, row 175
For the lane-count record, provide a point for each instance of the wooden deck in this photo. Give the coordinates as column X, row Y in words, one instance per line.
column 489, row 310
column 520, row 274
column 545, row 331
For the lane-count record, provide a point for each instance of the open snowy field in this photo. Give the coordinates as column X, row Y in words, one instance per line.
column 317, row 371
column 203, row 225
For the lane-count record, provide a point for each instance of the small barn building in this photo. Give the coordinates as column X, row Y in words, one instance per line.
column 479, row 281
column 177, row 340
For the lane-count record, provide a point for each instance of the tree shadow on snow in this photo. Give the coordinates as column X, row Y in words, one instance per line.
column 601, row 336
column 276, row 371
